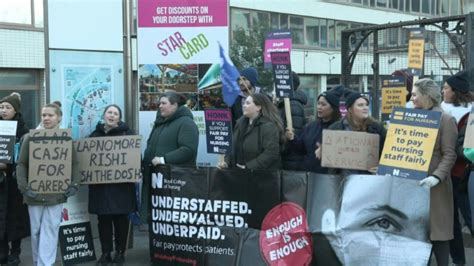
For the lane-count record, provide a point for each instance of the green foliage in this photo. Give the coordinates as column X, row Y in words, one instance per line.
column 246, row 50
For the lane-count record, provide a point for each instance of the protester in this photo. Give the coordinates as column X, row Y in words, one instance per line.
column 290, row 159
column 409, row 84
column 173, row 140
column 457, row 102
column 358, row 119
column 258, row 136
column 309, row 141
column 426, row 95
column 248, row 85
column 14, row 220
column 44, row 209
column 112, row 202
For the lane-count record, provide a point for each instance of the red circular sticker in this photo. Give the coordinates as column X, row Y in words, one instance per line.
column 284, row 238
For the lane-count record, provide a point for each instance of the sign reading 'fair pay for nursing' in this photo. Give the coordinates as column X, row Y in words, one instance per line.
column 108, row 160
column 410, row 142
column 350, row 150
column 50, row 161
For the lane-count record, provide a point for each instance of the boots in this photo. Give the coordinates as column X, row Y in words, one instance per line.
column 14, row 258
column 119, row 257
column 105, row 259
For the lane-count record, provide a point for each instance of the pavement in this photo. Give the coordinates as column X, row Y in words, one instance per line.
column 139, row 254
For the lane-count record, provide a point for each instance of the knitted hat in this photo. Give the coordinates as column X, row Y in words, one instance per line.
column 251, row 74
column 296, row 80
column 459, row 82
column 352, row 96
column 333, row 96
column 14, row 100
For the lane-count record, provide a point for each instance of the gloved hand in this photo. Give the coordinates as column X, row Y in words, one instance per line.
column 429, row 182
column 70, row 191
column 158, row 160
column 30, row 193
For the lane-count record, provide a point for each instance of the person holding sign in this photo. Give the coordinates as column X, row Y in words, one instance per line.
column 257, row 137
column 173, row 140
column 112, row 202
column 358, row 119
column 44, row 209
column 426, row 95
column 248, row 85
column 457, row 102
column 309, row 141
column 14, row 220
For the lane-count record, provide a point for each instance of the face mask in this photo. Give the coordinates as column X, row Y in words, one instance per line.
column 379, row 248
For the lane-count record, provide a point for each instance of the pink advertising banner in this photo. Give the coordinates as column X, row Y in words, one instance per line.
column 182, row 13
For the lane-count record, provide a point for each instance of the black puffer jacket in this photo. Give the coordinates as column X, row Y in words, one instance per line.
column 112, row 198
column 14, row 218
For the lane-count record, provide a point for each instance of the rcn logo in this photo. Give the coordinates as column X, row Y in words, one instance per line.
column 396, row 172
column 156, row 180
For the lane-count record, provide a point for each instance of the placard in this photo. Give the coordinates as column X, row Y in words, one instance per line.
column 409, row 144
column 218, row 131
column 7, row 141
column 350, row 150
column 276, row 41
column 282, row 74
column 416, row 51
column 76, row 243
column 50, row 160
column 108, row 159
column 469, row 137
column 393, row 94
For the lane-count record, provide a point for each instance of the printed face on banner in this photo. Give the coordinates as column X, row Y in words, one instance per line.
column 377, row 228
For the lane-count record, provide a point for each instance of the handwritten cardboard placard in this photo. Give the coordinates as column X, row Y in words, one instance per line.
column 50, row 160
column 469, row 137
column 7, row 140
column 409, row 143
column 108, row 159
column 350, row 150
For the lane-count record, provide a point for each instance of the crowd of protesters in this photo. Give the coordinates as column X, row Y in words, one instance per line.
column 261, row 140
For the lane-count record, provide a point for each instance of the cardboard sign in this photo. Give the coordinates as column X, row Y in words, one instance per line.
column 108, row 159
column 7, row 140
column 350, row 150
column 76, row 244
column 469, row 137
column 50, row 163
column 409, row 144
column 276, row 41
column 218, row 131
column 416, row 51
column 282, row 74
column 393, row 95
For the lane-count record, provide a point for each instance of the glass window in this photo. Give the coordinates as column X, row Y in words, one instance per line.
column 382, row 3
column 394, row 4
column 312, row 31
column 357, row 1
column 366, row 2
column 332, row 33
column 274, row 21
column 324, row 32
column 393, row 37
column 340, row 27
column 425, row 6
column 240, row 20
column 15, row 11
column 415, row 5
column 454, row 7
column 434, row 7
column 401, row 7
column 283, row 21
column 39, row 21
column 261, row 20
column 18, row 79
column 297, row 29
column 372, row 2
column 445, row 7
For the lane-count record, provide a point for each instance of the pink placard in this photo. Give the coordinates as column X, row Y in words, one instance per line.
column 182, row 13
column 276, row 45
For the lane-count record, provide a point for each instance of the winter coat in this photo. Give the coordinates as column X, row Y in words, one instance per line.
column 305, row 144
column 22, row 178
column 257, row 146
column 237, row 110
column 117, row 198
column 292, row 160
column 175, row 138
column 373, row 128
column 16, row 224
column 459, row 168
column 441, row 197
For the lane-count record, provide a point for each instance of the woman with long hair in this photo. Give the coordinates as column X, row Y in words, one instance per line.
column 426, row 95
column 112, row 202
column 258, row 136
column 309, row 141
column 14, row 220
column 44, row 209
